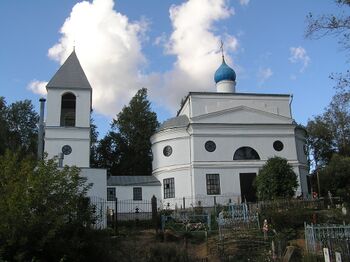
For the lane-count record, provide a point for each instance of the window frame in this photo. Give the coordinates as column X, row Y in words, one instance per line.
column 213, row 184
column 109, row 197
column 68, row 114
column 137, row 196
column 169, row 192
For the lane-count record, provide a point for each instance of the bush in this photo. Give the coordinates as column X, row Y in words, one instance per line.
column 44, row 213
column 276, row 179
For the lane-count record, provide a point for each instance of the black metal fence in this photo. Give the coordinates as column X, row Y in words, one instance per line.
column 108, row 213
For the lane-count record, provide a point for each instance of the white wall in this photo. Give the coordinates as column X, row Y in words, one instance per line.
column 183, row 185
column 77, row 138
column 178, row 139
column 98, row 178
column 208, row 103
column 83, row 106
column 126, row 192
column 227, row 145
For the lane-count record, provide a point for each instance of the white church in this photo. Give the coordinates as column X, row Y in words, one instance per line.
column 215, row 146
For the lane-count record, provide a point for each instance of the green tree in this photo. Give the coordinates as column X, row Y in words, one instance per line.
column 329, row 133
column 126, row 149
column 335, row 177
column 3, row 126
column 334, row 25
column 18, row 127
column 93, row 143
column 44, row 214
column 276, row 179
column 319, row 141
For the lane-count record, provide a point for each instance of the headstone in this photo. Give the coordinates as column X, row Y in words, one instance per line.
column 326, row 255
column 343, row 210
column 337, row 257
column 288, row 254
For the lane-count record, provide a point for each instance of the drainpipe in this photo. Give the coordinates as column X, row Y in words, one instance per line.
column 60, row 159
column 190, row 147
column 41, row 129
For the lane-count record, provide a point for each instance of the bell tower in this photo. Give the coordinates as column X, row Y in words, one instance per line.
column 67, row 128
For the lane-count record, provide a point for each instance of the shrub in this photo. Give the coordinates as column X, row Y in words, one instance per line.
column 276, row 179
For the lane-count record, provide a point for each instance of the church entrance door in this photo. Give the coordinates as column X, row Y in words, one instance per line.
column 248, row 192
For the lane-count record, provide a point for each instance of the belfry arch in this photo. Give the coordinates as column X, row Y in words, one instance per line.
column 68, row 109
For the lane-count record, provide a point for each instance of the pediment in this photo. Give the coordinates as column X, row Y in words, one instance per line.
column 242, row 115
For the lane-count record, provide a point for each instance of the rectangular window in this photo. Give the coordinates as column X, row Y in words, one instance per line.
column 213, row 184
column 110, row 193
column 169, row 188
column 137, row 193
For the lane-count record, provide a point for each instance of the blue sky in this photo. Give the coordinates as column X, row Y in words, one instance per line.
column 170, row 47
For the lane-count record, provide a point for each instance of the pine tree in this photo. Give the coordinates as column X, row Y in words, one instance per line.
column 126, row 149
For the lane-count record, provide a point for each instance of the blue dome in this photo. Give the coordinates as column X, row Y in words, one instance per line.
column 224, row 72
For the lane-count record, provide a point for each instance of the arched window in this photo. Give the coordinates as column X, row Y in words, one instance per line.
column 246, row 153
column 68, row 105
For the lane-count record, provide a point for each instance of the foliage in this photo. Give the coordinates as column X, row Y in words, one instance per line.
column 276, row 179
column 329, row 133
column 18, row 127
column 126, row 149
column 93, row 143
column 44, row 214
column 319, row 140
column 182, row 103
column 335, row 177
column 334, row 25
column 3, row 125
column 285, row 220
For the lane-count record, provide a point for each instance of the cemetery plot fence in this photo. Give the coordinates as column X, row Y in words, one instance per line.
column 334, row 237
column 291, row 203
column 237, row 216
column 199, row 201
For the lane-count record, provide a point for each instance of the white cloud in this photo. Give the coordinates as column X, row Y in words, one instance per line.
column 160, row 40
column 299, row 55
column 195, row 45
column 264, row 74
column 244, row 2
column 37, row 87
column 108, row 46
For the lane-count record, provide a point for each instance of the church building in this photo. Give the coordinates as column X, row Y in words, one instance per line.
column 219, row 140
column 214, row 147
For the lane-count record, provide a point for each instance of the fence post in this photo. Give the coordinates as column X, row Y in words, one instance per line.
column 215, row 205
column 306, row 237
column 116, row 216
column 154, row 212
